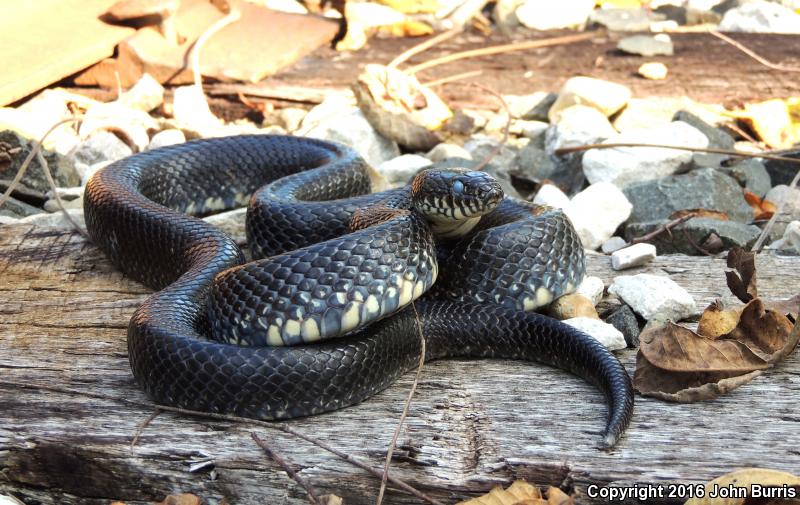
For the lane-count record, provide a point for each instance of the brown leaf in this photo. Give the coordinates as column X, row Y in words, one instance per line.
column 685, row 387
column 556, row 496
column 181, row 499
column 746, row 478
column 716, row 321
column 762, row 209
column 518, row 493
column 742, row 282
column 674, row 348
column 711, row 214
column 763, row 331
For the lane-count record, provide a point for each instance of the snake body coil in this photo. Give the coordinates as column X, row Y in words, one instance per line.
column 252, row 339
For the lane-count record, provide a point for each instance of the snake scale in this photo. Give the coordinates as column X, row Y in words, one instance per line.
column 256, row 339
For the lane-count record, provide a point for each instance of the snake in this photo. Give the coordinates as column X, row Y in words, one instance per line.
column 343, row 284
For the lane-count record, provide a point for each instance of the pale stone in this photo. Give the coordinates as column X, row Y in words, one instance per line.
column 551, row 196
column 592, row 288
column 654, row 70
column 444, row 150
column 622, row 166
column 596, row 212
column 167, row 137
column 613, row 244
column 633, row 256
column 576, row 126
column 654, row 296
column 604, row 333
column 607, row 97
column 400, row 170
column 549, row 15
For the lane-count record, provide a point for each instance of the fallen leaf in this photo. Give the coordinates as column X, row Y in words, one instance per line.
column 789, row 307
column 742, row 282
column 674, row 348
column 556, row 496
column 746, row 478
column 407, row 28
column 181, row 499
column 518, row 493
column 765, row 332
column 717, row 321
column 684, row 387
column 710, row 214
column 762, row 209
column 771, row 121
column 331, row 499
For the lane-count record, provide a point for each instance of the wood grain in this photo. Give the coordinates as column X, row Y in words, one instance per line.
column 473, row 424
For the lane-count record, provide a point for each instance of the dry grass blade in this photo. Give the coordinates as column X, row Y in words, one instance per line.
column 424, row 46
column 406, row 407
column 312, row 495
column 503, row 48
column 229, row 18
column 753, row 54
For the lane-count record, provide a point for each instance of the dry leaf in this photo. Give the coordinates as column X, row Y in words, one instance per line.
column 789, row 307
column 331, row 499
column 746, row 478
column 407, row 28
column 685, row 387
column 762, row 209
column 556, row 496
column 716, row 321
column 742, row 282
column 763, row 331
column 181, row 499
column 674, row 348
column 518, row 493
column 771, row 121
column 710, row 214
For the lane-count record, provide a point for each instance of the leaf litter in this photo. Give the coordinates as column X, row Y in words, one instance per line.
column 730, row 348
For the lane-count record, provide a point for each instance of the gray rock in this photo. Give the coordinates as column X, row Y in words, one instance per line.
column 717, row 137
column 606, row 96
column 613, row 244
column 751, row 174
column 18, row 209
column 592, row 288
column 731, row 234
column 791, row 207
column 790, row 242
column 782, row 172
column 23, row 193
column 290, row 118
column 56, row 219
column 231, row 222
column 623, row 166
column 623, row 20
column 71, row 198
column 521, row 105
column 576, row 126
column 605, row 333
column 672, row 12
column 654, row 296
column 533, row 164
column 8, row 220
column 761, row 17
column 13, row 151
column 701, row 189
column 501, row 164
column 101, row 146
column 624, row 320
column 551, row 196
column 352, row 129
column 400, row 170
column 540, row 111
column 645, row 45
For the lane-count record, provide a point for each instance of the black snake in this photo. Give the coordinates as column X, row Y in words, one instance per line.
column 252, row 339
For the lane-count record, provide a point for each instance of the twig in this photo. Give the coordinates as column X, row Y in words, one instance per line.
column 229, row 18
column 144, row 424
column 406, row 407
column 662, row 229
column 498, row 147
column 37, row 152
column 730, row 152
column 234, row 419
column 753, row 54
column 312, row 496
column 694, row 244
column 502, row 48
column 424, row 46
column 453, row 78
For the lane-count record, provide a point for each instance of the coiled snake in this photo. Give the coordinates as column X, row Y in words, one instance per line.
column 254, row 339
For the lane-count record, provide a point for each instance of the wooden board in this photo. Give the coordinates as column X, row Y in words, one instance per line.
column 47, row 40
column 703, row 67
column 472, row 425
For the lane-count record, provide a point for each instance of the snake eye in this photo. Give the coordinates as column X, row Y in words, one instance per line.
column 458, row 187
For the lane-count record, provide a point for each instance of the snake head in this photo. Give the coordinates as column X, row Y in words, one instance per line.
column 454, row 194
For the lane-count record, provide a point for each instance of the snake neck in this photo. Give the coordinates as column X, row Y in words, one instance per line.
column 449, row 229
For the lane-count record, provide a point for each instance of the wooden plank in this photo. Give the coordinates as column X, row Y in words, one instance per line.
column 473, row 424
column 47, row 40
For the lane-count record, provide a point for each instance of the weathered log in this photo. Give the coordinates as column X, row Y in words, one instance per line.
column 472, row 424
